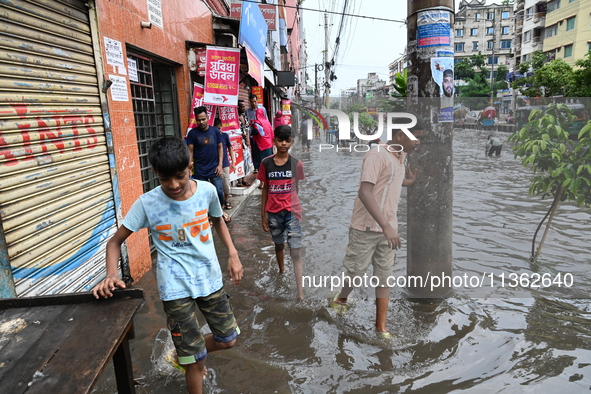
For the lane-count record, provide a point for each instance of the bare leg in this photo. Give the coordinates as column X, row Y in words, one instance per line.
column 345, row 291
column 196, row 372
column 280, row 253
column 382, row 299
column 298, row 269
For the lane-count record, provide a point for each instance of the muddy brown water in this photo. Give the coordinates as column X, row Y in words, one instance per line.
column 485, row 339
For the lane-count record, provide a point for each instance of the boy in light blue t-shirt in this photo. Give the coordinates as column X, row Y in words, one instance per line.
column 188, row 272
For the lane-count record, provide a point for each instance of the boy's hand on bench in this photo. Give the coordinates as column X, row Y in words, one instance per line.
column 106, row 286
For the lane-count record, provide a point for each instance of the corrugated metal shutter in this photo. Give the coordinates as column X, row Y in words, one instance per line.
column 56, row 191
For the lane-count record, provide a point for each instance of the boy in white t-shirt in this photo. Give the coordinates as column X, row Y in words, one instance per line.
column 188, row 272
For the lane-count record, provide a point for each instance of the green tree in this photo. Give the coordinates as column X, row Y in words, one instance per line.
column 562, row 167
column 464, row 69
column 400, row 84
column 580, row 85
column 366, row 122
column 550, row 79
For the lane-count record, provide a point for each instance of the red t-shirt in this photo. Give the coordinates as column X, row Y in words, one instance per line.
column 281, row 182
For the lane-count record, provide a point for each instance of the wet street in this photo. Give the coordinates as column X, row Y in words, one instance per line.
column 484, row 339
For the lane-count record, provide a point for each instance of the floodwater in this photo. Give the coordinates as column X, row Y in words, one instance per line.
column 486, row 339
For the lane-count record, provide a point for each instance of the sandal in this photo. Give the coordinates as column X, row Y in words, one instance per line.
column 226, row 218
column 227, row 205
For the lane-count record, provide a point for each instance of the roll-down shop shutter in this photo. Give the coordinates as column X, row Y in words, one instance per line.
column 56, row 190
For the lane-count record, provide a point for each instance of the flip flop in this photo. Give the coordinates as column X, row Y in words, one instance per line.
column 384, row 335
column 227, row 205
column 338, row 306
column 226, row 218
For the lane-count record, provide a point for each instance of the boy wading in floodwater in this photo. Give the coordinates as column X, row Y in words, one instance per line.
column 188, row 272
column 373, row 233
column 281, row 211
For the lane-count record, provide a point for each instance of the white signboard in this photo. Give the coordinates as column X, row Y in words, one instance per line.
column 132, row 67
column 114, row 52
column 155, row 13
column 118, row 88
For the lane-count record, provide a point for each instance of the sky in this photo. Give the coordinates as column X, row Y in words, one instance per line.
column 366, row 45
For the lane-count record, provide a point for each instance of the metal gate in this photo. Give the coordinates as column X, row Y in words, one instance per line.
column 56, row 191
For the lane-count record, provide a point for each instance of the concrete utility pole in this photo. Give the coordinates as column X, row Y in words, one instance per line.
column 492, row 69
column 326, row 68
column 429, row 216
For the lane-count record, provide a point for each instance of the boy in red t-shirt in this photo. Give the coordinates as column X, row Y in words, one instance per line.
column 281, row 211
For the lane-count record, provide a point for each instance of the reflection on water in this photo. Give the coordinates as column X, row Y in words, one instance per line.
column 489, row 339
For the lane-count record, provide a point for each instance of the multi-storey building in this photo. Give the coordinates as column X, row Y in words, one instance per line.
column 530, row 18
column 485, row 28
column 567, row 33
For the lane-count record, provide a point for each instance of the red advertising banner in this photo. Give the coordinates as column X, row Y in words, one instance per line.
column 222, row 76
column 197, row 101
column 211, row 112
column 269, row 12
column 236, row 141
column 229, row 118
column 200, row 55
column 255, row 68
column 286, row 111
column 258, row 90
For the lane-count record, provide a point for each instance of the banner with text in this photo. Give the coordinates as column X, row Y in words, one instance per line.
column 222, row 76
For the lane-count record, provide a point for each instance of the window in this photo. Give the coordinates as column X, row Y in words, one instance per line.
column 527, row 36
column 473, row 32
column 496, row 60
column 568, row 50
column 525, row 58
column 589, row 46
column 477, row 17
column 570, row 1
column 551, row 31
column 490, row 31
column 490, row 16
column 459, row 32
column 570, row 23
column 505, row 30
column 505, row 15
column 552, row 5
column 475, row 46
column 505, row 44
column 489, row 45
column 529, row 12
column 459, row 47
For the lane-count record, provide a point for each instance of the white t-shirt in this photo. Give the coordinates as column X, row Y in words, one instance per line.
column 187, row 262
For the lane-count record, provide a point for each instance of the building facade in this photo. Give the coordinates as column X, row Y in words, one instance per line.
column 488, row 29
column 530, row 20
column 567, row 32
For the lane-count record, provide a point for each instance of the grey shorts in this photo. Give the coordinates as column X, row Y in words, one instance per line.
column 367, row 248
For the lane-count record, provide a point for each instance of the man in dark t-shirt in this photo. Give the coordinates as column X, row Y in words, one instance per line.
column 205, row 145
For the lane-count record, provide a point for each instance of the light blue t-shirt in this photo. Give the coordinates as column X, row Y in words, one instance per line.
column 187, row 263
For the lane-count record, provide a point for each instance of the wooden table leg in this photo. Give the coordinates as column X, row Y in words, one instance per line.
column 123, row 368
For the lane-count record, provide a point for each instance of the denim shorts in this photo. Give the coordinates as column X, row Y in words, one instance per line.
column 181, row 319
column 282, row 224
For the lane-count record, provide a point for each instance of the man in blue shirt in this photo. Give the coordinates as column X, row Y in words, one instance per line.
column 205, row 145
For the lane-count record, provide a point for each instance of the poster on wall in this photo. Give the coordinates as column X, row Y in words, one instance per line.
column 155, row 13
column 114, row 52
column 119, row 88
column 132, row 67
column 222, row 76
column 442, row 70
column 433, row 28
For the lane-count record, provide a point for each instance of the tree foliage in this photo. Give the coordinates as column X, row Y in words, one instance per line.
column 549, row 79
column 562, row 167
column 400, row 83
column 580, row 85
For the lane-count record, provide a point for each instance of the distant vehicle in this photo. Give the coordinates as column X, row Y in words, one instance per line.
column 472, row 119
column 579, row 110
